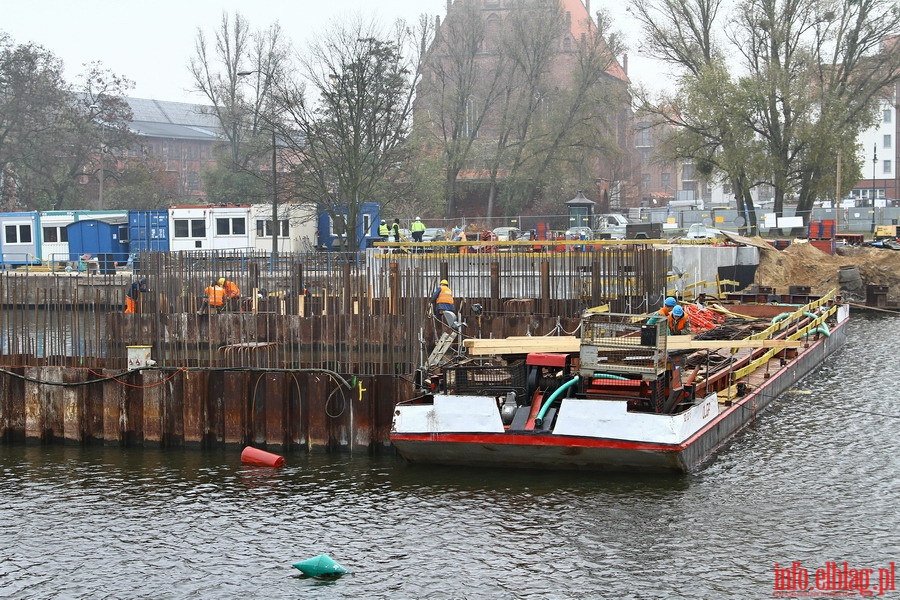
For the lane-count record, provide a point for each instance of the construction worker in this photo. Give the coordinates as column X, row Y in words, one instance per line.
column 443, row 302
column 215, row 296
column 395, row 230
column 678, row 321
column 383, row 231
column 132, row 296
column 231, row 288
column 417, row 229
column 232, row 291
column 663, row 313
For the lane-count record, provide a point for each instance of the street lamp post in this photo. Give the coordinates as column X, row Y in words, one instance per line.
column 275, row 227
column 94, row 110
column 274, row 196
column 100, row 176
column 874, row 162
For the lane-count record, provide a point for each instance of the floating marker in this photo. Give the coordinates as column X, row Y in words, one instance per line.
column 261, row 458
column 320, row 566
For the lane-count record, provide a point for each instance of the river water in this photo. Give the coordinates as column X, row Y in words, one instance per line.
column 815, row 480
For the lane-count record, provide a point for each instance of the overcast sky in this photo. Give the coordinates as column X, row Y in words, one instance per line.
column 152, row 42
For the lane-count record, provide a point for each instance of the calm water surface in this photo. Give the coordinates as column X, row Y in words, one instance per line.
column 815, row 480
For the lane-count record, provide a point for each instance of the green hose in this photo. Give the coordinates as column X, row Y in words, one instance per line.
column 539, row 419
column 785, row 315
column 610, row 376
column 823, row 329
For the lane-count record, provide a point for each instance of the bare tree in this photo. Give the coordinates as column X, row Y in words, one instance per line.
column 496, row 101
column 236, row 60
column 582, row 133
column 525, row 51
column 345, row 126
column 460, row 90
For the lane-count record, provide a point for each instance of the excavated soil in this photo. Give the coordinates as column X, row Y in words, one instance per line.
column 804, row 264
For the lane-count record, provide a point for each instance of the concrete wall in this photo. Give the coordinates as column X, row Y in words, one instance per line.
column 702, row 263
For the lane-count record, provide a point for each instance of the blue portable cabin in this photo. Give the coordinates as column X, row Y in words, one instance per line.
column 366, row 228
column 19, row 243
column 105, row 239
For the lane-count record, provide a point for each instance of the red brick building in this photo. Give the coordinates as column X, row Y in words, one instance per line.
column 179, row 136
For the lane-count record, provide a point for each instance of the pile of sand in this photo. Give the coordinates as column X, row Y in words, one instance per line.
column 803, row 264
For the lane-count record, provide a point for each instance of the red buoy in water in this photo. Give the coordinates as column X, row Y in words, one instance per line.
column 261, row 458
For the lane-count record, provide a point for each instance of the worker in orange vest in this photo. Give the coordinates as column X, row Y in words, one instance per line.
column 232, row 291
column 133, row 295
column 215, row 296
column 444, row 304
column 663, row 313
column 678, row 322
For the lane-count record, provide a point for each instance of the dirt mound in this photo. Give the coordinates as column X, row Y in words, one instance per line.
column 802, row 263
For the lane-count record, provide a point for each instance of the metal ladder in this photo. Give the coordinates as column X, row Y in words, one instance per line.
column 444, row 344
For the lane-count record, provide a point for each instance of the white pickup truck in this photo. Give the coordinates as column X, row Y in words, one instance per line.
column 611, row 226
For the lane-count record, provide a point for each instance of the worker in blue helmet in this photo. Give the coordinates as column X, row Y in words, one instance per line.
column 678, row 321
column 663, row 313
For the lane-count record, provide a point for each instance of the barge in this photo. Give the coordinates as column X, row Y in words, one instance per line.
column 623, row 396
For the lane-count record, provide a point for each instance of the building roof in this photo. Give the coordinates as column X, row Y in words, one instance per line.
column 176, row 120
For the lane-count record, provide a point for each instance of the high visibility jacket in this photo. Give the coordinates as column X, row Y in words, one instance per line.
column 677, row 324
column 657, row 317
column 443, row 298
column 132, row 296
column 215, row 295
column 383, row 230
column 395, row 231
column 417, row 226
column 232, row 290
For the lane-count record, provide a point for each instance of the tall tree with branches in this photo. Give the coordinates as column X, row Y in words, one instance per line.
column 235, row 61
column 527, row 43
column 33, row 89
column 461, row 89
column 705, row 113
column 578, row 130
column 54, row 133
column 345, row 126
column 810, row 77
column 91, row 133
column 817, row 74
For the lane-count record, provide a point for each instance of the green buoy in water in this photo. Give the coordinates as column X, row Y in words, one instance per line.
column 320, row 566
